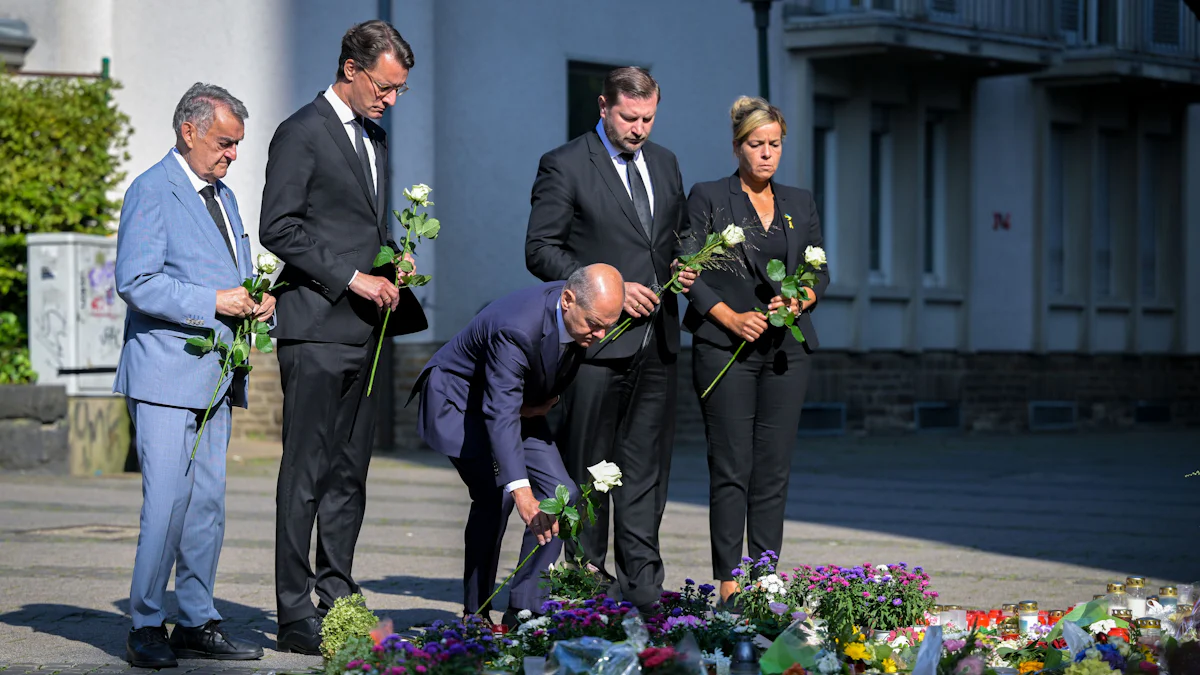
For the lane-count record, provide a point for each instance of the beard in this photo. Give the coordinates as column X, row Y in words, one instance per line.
column 621, row 144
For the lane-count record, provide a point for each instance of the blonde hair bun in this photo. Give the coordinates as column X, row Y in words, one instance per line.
column 751, row 112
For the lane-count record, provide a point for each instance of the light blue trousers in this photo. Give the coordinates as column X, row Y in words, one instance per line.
column 175, row 505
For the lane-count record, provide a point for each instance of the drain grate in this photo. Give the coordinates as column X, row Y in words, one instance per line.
column 104, row 532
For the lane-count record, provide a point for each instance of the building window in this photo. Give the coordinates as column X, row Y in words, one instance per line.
column 1108, row 162
column 1056, row 215
column 880, row 216
column 585, row 83
column 1156, row 213
column 934, row 258
column 824, row 181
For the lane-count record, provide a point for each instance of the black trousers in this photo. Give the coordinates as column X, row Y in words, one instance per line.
column 328, row 430
column 623, row 411
column 750, row 421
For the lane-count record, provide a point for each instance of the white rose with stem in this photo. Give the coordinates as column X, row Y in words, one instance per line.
column 717, row 251
column 415, row 225
column 237, row 355
column 605, row 476
column 794, row 286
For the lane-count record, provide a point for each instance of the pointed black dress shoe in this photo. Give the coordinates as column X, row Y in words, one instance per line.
column 210, row 641
column 147, row 648
column 300, row 637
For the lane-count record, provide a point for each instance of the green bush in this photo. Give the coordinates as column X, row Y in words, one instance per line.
column 14, row 361
column 62, row 142
column 348, row 618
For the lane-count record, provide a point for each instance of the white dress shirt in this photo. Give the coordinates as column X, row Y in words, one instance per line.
column 199, row 184
column 639, row 158
column 347, row 117
column 565, row 339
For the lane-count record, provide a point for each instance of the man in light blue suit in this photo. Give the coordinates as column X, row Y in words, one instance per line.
column 181, row 258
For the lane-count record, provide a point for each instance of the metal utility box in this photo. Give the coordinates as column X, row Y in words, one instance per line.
column 76, row 319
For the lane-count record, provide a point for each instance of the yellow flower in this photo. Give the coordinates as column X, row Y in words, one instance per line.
column 858, row 652
column 889, row 666
column 1030, row 667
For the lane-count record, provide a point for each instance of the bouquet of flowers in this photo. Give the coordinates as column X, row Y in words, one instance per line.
column 415, row 225
column 716, row 252
column 791, row 286
column 767, row 597
column 237, row 356
column 599, row 617
column 875, row 597
column 663, row 661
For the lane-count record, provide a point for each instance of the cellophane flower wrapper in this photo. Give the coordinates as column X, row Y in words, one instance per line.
column 791, row 647
column 578, row 656
column 1076, row 637
column 688, row 654
column 930, row 654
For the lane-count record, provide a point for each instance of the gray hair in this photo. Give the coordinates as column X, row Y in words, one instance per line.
column 199, row 105
column 583, row 285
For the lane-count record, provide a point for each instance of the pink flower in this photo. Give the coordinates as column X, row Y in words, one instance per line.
column 972, row 665
column 1148, row 667
column 954, row 645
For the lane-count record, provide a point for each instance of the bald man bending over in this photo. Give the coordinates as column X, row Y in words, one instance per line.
column 484, row 399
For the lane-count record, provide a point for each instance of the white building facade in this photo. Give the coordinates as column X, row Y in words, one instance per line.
column 1009, row 187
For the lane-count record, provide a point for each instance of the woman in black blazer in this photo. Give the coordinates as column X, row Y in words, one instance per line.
column 751, row 416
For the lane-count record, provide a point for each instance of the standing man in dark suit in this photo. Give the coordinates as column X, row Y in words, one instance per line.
column 484, row 399
column 324, row 213
column 611, row 196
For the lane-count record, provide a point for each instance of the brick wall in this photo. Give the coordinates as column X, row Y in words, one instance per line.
column 878, row 388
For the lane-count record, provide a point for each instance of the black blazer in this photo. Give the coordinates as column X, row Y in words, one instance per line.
column 723, row 202
column 317, row 216
column 582, row 214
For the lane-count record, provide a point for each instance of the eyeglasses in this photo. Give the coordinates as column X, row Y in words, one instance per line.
column 381, row 92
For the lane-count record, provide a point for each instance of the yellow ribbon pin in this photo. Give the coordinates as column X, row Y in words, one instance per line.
column 788, row 218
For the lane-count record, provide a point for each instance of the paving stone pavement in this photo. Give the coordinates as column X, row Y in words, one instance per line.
column 993, row 518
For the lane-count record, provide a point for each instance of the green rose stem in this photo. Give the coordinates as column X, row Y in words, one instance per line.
column 624, row 325
column 388, row 313
column 204, row 420
column 507, row 579
column 722, row 373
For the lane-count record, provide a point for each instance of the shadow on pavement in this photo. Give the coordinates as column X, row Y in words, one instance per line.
column 440, row 590
column 102, row 630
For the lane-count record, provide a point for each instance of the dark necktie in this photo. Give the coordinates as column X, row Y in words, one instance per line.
column 360, row 147
column 568, row 363
column 637, row 189
column 214, row 210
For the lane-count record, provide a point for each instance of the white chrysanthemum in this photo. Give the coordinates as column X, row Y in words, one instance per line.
column 524, row 615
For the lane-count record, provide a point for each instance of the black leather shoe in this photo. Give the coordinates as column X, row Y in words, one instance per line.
column 210, row 641
column 300, row 637
column 147, row 648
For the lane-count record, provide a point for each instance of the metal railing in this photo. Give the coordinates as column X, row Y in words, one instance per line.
column 1163, row 27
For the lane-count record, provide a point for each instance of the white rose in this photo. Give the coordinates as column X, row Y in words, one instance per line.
column 418, row 194
column 733, row 235
column 1102, row 627
column 266, row 263
column 605, row 476
column 815, row 256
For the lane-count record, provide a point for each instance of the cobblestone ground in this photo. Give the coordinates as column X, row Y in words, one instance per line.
column 994, row 519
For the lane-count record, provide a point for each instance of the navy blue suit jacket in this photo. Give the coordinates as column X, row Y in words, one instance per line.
column 473, row 388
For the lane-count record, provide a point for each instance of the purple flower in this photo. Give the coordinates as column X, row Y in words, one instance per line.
column 778, row 608
column 688, row 582
column 881, row 599
column 799, row 616
column 737, row 572
column 897, row 602
column 954, row 645
column 747, row 559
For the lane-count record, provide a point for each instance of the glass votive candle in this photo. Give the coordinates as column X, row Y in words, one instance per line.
column 1056, row 615
column 954, row 615
column 1027, row 615
column 1135, row 588
column 1117, row 597
column 1151, row 630
column 1009, row 609
column 1187, row 594
column 1123, row 614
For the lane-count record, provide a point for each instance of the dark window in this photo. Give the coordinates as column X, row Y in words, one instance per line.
column 585, row 83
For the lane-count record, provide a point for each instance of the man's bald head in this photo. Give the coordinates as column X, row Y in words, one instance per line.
column 591, row 302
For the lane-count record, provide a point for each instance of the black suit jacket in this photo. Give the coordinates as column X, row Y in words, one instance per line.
column 582, row 214
column 317, row 216
column 724, row 202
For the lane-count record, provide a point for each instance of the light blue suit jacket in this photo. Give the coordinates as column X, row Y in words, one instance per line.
column 171, row 261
